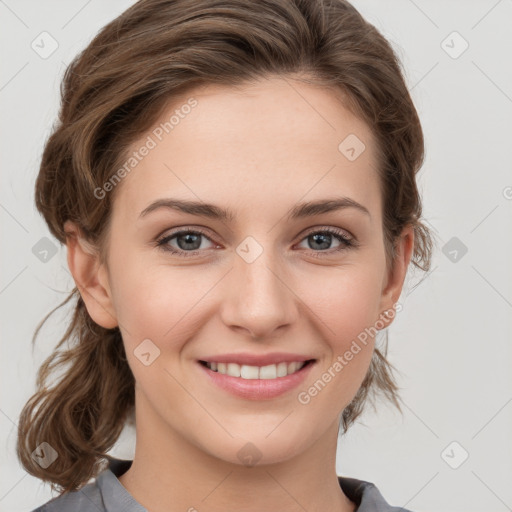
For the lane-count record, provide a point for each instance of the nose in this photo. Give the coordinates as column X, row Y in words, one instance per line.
column 258, row 293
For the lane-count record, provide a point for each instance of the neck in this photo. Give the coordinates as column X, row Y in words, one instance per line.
column 169, row 473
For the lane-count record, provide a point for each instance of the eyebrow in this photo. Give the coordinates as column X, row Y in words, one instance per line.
column 302, row 210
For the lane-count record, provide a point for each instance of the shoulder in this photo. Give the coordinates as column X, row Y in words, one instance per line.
column 86, row 499
column 104, row 494
column 367, row 496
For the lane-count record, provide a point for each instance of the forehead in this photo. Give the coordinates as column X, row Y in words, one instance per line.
column 247, row 145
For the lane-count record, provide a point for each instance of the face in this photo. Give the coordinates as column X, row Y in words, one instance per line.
column 271, row 282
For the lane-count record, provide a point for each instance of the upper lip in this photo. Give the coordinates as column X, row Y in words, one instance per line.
column 256, row 359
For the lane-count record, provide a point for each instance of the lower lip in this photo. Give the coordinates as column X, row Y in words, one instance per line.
column 257, row 389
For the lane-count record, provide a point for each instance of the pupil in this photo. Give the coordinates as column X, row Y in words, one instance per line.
column 190, row 238
column 327, row 236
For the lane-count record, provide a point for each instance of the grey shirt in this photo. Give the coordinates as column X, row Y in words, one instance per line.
column 107, row 494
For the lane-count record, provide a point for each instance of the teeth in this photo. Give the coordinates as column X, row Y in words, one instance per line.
column 292, row 367
column 233, row 370
column 268, row 372
column 282, row 370
column 271, row 371
column 248, row 372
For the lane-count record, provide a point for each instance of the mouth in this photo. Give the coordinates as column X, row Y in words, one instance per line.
column 249, row 372
column 252, row 382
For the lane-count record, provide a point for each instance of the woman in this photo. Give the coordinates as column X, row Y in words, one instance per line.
column 204, row 150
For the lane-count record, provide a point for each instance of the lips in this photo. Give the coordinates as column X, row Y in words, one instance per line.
column 257, row 359
column 251, row 372
column 257, row 377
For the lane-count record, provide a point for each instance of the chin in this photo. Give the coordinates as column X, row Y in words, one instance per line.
column 257, row 448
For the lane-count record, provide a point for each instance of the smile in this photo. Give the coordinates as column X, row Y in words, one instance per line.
column 252, row 382
column 271, row 371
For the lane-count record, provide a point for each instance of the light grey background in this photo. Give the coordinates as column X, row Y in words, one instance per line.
column 452, row 342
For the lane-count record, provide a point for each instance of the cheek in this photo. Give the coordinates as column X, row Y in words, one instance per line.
column 164, row 306
column 344, row 302
column 154, row 301
column 345, row 307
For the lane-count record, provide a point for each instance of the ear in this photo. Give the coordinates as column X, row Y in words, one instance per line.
column 91, row 278
column 396, row 276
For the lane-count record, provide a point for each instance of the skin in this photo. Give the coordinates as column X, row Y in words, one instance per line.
column 258, row 150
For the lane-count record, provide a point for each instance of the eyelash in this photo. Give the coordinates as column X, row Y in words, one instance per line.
column 346, row 243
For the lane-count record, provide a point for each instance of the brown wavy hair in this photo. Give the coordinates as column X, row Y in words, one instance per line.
column 112, row 93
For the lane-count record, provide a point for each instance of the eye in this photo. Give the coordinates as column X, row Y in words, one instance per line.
column 189, row 242
column 322, row 239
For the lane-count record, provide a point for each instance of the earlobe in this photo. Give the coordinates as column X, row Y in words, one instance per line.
column 393, row 289
column 90, row 277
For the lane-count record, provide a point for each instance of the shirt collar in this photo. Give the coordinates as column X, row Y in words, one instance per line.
column 116, row 497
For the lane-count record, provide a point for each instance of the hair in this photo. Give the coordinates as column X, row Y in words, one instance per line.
column 112, row 93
